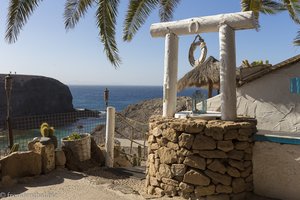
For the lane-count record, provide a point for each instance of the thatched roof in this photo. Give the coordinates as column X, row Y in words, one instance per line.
column 210, row 71
column 202, row 75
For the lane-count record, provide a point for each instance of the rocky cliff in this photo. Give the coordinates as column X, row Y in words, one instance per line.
column 143, row 110
column 35, row 95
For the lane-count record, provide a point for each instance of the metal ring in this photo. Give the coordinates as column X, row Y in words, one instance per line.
column 202, row 45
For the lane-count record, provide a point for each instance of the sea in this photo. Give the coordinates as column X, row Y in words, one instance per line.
column 92, row 97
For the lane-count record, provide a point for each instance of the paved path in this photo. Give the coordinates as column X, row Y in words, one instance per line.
column 95, row 184
column 126, row 142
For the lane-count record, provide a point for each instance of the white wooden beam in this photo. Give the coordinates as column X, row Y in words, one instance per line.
column 237, row 21
column 227, row 72
column 170, row 75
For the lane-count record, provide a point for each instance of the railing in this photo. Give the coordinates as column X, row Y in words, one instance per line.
column 132, row 132
column 27, row 128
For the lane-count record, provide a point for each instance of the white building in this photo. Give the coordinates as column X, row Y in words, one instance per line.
column 271, row 95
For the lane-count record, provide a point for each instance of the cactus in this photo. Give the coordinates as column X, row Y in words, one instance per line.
column 51, row 131
column 46, row 131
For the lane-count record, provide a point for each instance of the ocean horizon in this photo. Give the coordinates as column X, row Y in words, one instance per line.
column 91, row 96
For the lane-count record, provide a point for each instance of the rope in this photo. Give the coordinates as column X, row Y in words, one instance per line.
column 129, row 119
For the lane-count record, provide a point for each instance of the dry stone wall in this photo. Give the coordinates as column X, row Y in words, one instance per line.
column 200, row 159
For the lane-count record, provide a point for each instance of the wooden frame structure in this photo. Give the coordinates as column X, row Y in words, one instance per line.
column 226, row 25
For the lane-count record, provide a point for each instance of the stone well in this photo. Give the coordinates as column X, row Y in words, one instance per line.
column 200, row 159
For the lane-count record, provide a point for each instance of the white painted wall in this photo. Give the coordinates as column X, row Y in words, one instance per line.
column 276, row 170
column 268, row 99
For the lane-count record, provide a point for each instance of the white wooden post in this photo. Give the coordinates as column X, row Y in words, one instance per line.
column 170, row 75
column 110, row 136
column 227, row 72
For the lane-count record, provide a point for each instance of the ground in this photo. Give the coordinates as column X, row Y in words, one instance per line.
column 97, row 183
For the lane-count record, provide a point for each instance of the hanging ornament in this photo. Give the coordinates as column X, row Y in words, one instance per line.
column 200, row 42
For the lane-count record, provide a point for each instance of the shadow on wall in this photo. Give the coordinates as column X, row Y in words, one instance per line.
column 268, row 99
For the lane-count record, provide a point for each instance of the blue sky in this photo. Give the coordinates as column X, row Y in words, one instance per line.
column 77, row 57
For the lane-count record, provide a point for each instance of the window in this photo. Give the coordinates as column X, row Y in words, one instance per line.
column 295, row 85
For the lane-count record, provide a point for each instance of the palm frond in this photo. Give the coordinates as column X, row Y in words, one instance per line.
column 271, row 7
column 297, row 39
column 74, row 10
column 18, row 14
column 106, row 22
column 251, row 5
column 293, row 7
column 166, row 9
column 137, row 13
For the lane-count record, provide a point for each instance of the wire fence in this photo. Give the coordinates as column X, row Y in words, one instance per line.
column 131, row 134
column 26, row 128
column 134, row 135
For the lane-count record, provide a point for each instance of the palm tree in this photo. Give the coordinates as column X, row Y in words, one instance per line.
column 138, row 11
column 106, row 13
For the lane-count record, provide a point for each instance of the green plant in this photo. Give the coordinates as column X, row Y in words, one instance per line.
column 260, row 62
column 46, row 130
column 74, row 136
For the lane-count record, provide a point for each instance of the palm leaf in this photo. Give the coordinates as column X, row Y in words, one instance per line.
column 251, row 5
column 297, row 39
column 293, row 8
column 271, row 7
column 166, row 9
column 18, row 14
column 106, row 21
column 74, row 10
column 138, row 11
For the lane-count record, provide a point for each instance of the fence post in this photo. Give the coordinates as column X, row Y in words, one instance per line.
column 145, row 138
column 110, row 136
column 139, row 155
column 131, row 138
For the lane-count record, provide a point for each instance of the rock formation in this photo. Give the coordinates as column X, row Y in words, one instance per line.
column 35, row 95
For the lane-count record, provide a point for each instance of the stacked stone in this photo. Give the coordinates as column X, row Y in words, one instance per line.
column 200, row 159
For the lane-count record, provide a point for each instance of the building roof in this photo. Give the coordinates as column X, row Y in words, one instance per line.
column 265, row 70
